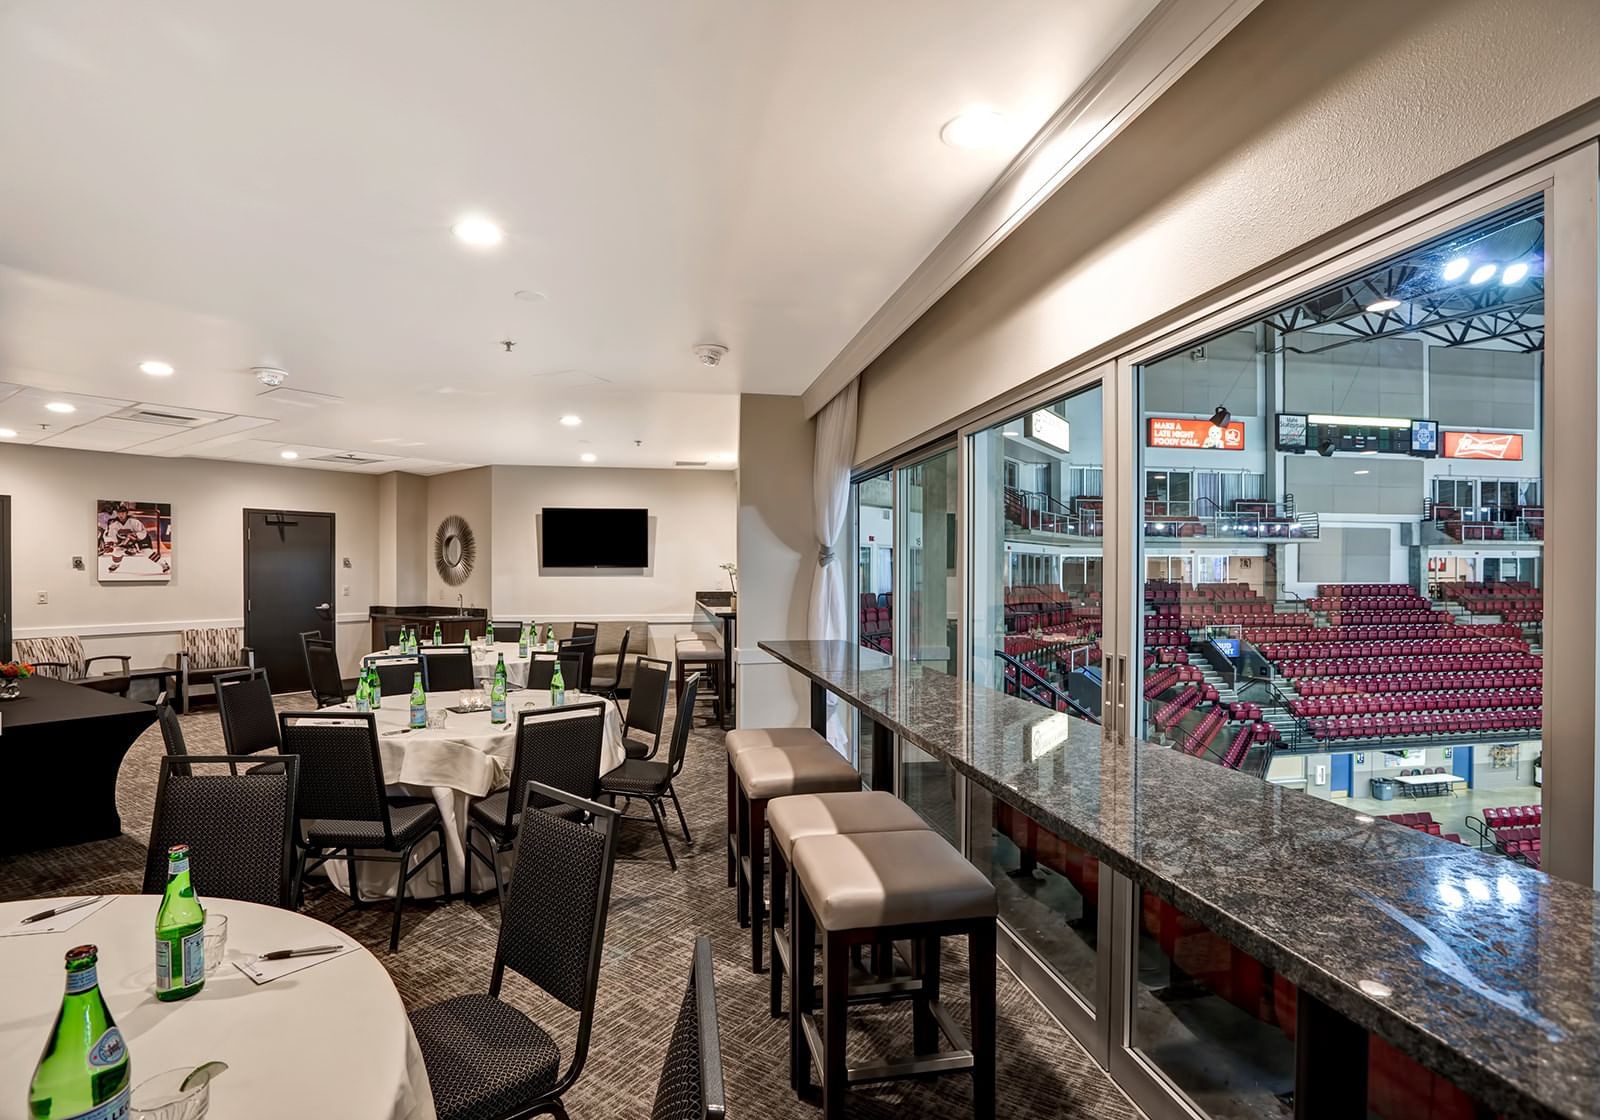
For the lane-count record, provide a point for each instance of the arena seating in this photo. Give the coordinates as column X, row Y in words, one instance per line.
column 1512, row 600
column 1515, row 831
column 1422, row 822
column 876, row 615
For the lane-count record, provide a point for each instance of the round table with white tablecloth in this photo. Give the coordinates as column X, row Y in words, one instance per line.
column 469, row 757
column 330, row 1040
column 484, row 659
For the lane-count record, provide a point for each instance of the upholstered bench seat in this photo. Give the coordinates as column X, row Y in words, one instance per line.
column 743, row 738
column 838, row 814
column 768, row 772
column 876, row 879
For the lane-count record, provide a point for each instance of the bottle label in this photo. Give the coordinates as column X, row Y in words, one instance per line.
column 363, row 704
column 419, row 715
column 178, row 866
column 114, row 1109
column 108, row 1050
column 190, row 967
column 81, row 981
column 497, row 710
column 558, row 696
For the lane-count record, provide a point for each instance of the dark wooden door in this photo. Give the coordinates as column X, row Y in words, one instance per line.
column 288, row 589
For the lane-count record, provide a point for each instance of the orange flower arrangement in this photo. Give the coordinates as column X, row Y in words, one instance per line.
column 15, row 670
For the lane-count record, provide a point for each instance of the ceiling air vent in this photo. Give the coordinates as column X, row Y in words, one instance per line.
column 690, row 463
column 349, row 458
column 167, row 417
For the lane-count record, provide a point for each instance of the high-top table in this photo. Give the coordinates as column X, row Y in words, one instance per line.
column 1475, row 967
column 61, row 746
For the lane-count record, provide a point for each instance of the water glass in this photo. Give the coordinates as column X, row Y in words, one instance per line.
column 163, row 1097
column 216, row 941
column 437, row 718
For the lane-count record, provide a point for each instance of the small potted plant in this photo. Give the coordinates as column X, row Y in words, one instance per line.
column 12, row 674
column 733, row 577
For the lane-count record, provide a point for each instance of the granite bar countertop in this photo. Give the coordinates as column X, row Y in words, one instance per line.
column 1482, row 969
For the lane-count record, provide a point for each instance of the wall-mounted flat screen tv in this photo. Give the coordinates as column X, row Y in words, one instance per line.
column 594, row 538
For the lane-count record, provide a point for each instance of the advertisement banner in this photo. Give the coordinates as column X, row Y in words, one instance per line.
column 1503, row 446
column 1195, row 435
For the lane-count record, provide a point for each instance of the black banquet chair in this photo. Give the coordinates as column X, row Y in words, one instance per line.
column 555, row 747
column 343, row 809
column 607, row 686
column 322, row 669
column 239, row 828
column 249, row 719
column 507, row 631
column 396, row 675
column 691, row 1076
column 542, row 669
column 447, row 668
column 647, row 707
column 485, row 1058
column 651, row 781
column 172, row 740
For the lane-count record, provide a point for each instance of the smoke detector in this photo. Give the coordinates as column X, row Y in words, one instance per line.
column 270, row 376
column 710, row 353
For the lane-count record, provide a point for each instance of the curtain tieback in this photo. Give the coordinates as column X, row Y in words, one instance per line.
column 824, row 557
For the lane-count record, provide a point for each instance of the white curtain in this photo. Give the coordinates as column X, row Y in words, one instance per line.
column 830, row 505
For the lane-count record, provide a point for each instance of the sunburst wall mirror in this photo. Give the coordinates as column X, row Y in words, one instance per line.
column 454, row 550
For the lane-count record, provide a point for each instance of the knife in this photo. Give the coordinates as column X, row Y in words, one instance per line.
column 62, row 909
column 285, row 954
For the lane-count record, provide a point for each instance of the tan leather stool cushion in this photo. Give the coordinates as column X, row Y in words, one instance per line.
column 876, row 879
column 744, row 738
column 767, row 772
column 838, row 814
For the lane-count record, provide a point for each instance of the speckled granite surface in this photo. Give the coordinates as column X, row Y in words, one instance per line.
column 1492, row 969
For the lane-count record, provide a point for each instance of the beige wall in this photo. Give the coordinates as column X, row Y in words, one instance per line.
column 1305, row 118
column 53, row 494
column 777, row 554
column 403, row 540
column 466, row 494
column 691, row 534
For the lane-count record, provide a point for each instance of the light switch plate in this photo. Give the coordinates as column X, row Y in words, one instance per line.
column 42, row 598
column 77, row 563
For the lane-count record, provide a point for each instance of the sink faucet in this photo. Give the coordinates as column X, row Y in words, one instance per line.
column 460, row 605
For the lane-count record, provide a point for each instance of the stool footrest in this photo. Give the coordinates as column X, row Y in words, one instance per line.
column 871, row 991
column 949, row 1061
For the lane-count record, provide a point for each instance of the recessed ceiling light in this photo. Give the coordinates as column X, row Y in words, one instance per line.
column 1457, row 268
column 61, row 406
column 1383, row 305
column 1482, row 274
column 1363, row 472
column 478, row 231
column 156, row 369
column 528, row 295
column 588, row 456
column 975, row 128
column 7, row 433
column 571, row 421
column 1514, row 272
column 288, row 454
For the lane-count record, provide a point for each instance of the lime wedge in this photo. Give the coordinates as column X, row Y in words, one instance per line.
column 202, row 1074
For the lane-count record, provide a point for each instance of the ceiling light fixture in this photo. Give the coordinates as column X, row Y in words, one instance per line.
column 1483, row 274
column 587, row 457
column 972, row 129
column 528, row 295
column 1363, row 472
column 8, row 433
column 156, row 369
column 478, row 231
column 1383, row 305
column 1456, row 268
column 288, row 454
column 61, row 406
column 571, row 421
column 1514, row 273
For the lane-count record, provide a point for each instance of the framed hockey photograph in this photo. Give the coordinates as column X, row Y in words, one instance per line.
column 133, row 541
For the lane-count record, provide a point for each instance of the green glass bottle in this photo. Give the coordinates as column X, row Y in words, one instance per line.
column 83, row 1073
column 558, row 687
column 374, row 688
column 180, row 933
column 550, row 635
column 497, row 693
column 438, row 634
column 363, row 693
column 522, row 642
column 488, row 631
column 419, row 702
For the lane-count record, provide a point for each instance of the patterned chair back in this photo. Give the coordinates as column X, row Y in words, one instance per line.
column 691, row 1077
column 213, row 647
column 249, row 720
column 64, row 649
column 647, row 703
column 560, row 747
column 679, row 749
column 237, row 826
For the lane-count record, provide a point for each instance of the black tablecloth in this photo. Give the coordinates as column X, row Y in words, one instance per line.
column 61, row 746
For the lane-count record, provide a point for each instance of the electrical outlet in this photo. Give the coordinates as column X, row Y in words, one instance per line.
column 346, row 591
column 347, row 562
column 77, row 563
column 42, row 598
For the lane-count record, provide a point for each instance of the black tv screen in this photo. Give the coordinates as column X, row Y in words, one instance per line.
column 595, row 538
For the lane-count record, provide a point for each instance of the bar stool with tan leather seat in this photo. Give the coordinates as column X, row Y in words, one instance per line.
column 825, row 814
column 744, row 738
column 764, row 773
column 902, row 886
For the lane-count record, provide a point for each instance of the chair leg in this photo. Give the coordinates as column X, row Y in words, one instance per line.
column 469, row 852
column 802, row 989
column 355, row 886
column 296, row 894
column 757, row 831
column 499, row 883
column 399, row 898
column 835, row 1000
column 661, row 827
column 683, row 822
column 741, row 849
column 733, row 828
column 924, row 1027
column 981, row 970
column 444, row 861
column 775, row 966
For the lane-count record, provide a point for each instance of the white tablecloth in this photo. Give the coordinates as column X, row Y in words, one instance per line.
column 469, row 757
column 332, row 1040
column 484, row 659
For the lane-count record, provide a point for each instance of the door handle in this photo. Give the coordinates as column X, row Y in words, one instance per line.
column 323, row 607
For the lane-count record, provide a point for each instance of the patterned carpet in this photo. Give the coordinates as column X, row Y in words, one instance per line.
column 655, row 914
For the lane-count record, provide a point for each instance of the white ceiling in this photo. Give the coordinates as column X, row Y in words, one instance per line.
column 224, row 185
